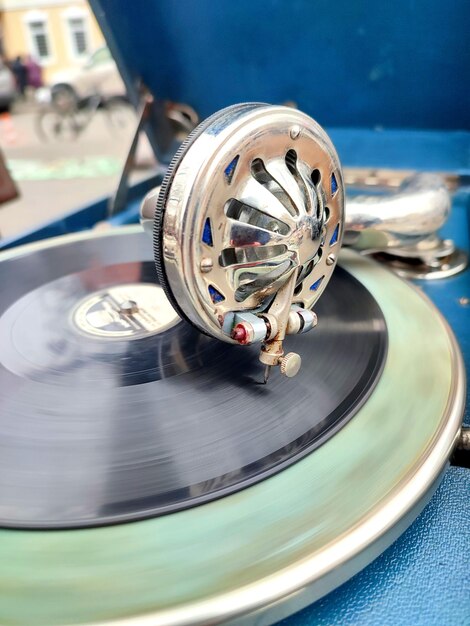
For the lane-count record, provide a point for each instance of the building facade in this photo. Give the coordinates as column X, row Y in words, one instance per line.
column 58, row 34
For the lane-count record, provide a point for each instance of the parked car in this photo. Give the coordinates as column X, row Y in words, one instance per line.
column 99, row 75
column 7, row 87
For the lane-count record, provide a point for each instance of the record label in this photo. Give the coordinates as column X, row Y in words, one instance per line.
column 131, row 311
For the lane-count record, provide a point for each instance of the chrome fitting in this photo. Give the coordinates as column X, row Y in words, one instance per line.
column 300, row 320
column 147, row 210
column 248, row 328
column 294, row 323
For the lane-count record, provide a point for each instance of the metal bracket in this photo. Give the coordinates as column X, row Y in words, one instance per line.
column 117, row 203
column 461, row 456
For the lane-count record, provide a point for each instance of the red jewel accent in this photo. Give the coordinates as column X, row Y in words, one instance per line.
column 239, row 334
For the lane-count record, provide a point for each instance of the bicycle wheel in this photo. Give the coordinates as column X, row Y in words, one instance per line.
column 54, row 126
column 120, row 115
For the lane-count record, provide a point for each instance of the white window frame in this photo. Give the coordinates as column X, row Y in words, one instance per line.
column 76, row 13
column 39, row 16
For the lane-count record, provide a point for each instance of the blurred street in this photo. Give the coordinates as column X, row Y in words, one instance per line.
column 57, row 176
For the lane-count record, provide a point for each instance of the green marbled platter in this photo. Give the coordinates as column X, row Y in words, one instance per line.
column 292, row 537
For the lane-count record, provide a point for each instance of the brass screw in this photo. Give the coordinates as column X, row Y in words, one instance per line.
column 290, row 364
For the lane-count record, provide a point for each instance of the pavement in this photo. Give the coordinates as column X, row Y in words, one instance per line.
column 57, row 176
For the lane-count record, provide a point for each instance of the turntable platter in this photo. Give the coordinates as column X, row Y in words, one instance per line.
column 266, row 550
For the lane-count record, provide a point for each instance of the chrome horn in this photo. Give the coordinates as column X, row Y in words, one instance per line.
column 401, row 228
column 403, row 219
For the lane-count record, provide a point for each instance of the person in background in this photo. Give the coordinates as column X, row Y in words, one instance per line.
column 33, row 73
column 21, row 74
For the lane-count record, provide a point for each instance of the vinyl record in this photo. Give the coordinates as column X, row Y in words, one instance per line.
column 114, row 409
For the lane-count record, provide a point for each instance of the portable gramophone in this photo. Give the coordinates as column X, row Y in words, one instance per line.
column 147, row 475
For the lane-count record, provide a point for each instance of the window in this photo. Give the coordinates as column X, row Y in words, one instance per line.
column 39, row 39
column 78, row 35
column 40, row 45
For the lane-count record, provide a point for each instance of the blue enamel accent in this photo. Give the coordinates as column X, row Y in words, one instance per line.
column 334, row 237
column 230, row 169
column 316, row 284
column 207, row 233
column 215, row 295
column 334, row 185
